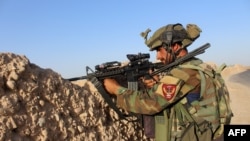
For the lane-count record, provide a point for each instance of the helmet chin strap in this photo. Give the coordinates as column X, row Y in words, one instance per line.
column 173, row 54
column 178, row 51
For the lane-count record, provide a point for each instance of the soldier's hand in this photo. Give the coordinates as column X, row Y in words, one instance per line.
column 149, row 82
column 111, row 85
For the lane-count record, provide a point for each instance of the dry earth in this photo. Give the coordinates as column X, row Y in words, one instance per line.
column 38, row 104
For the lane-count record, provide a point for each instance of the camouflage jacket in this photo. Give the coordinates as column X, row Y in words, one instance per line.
column 172, row 87
column 179, row 85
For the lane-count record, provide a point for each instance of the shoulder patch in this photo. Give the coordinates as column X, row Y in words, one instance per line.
column 169, row 88
column 168, row 91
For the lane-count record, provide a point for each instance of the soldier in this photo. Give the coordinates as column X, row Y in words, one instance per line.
column 171, row 97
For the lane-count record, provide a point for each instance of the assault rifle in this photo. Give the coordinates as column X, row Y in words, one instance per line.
column 138, row 66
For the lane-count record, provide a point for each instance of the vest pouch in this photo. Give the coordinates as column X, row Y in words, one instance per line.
column 198, row 132
column 162, row 132
column 149, row 126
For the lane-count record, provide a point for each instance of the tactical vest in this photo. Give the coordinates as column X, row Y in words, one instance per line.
column 204, row 118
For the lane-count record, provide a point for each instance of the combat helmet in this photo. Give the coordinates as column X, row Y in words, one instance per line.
column 171, row 34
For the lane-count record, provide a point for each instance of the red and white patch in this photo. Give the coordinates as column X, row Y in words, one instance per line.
column 168, row 91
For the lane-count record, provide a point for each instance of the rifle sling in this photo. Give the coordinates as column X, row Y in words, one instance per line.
column 107, row 98
column 190, row 55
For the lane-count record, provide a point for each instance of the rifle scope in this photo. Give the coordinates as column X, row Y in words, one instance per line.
column 139, row 56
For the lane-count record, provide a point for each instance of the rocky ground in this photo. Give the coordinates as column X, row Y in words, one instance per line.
column 37, row 104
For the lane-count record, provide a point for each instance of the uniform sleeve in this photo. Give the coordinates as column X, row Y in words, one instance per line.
column 169, row 90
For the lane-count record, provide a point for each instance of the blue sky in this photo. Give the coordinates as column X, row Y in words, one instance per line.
column 68, row 35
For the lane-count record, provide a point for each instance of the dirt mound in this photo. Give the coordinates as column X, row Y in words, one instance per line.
column 38, row 104
column 233, row 69
column 242, row 78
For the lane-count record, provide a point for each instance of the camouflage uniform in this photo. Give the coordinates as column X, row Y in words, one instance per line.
column 169, row 89
column 179, row 85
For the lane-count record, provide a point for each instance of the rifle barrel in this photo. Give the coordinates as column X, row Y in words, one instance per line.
column 77, row 78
